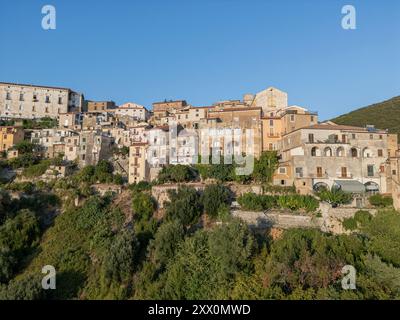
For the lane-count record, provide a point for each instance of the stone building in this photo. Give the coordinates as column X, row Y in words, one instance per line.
column 10, row 136
column 132, row 110
column 88, row 147
column 139, row 169
column 30, row 101
column 99, row 106
column 277, row 124
column 51, row 142
column 70, row 120
column 327, row 154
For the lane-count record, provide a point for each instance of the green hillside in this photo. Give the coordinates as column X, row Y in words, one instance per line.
column 384, row 115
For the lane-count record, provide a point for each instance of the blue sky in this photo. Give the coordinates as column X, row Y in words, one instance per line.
column 208, row 50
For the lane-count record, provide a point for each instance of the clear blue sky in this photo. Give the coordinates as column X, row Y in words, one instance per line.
column 207, row 50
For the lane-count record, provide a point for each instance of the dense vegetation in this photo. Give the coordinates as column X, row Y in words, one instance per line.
column 254, row 202
column 383, row 115
column 101, row 252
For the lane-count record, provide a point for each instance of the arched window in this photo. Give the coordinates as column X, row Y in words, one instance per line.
column 367, row 153
column 315, row 152
column 320, row 186
column 340, row 152
column 353, row 152
column 328, row 152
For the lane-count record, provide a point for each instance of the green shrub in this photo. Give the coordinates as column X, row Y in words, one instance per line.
column 335, row 196
column 177, row 173
column 213, row 197
column 251, row 201
column 37, row 169
column 381, row 201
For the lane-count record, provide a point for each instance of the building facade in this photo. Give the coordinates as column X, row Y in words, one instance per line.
column 30, row 101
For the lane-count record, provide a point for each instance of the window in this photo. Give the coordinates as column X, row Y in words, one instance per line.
column 33, row 108
column 47, row 99
column 270, row 147
column 344, row 172
column 35, row 98
column 271, row 132
column 311, row 138
column 353, row 136
column 312, row 118
column 271, row 123
column 394, row 172
column 343, row 138
column 380, row 137
column 319, row 172
column 71, row 148
column 282, row 170
column 8, row 96
column 283, row 182
column 314, row 152
column 46, row 110
column 299, row 172
column 21, row 97
column 371, row 136
column 59, row 100
column 380, row 153
column 370, row 170
column 353, row 152
column 292, row 118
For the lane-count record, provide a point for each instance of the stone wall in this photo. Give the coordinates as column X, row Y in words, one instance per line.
column 263, row 220
column 160, row 192
column 330, row 220
column 396, row 194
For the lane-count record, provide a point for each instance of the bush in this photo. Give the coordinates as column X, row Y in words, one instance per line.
column 253, row 202
column 37, row 169
column 335, row 196
column 184, row 205
column 177, row 173
column 213, row 197
column 381, row 201
column 143, row 205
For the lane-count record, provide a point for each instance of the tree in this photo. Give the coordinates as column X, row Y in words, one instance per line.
column 265, row 166
column 143, row 205
column 215, row 196
column 119, row 263
column 184, row 205
column 166, row 241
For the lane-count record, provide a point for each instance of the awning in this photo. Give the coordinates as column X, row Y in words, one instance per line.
column 350, row 186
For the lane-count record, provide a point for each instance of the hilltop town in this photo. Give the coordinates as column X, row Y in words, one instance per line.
column 133, row 202
column 311, row 154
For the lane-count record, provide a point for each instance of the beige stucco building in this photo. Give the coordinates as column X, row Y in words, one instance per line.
column 30, row 101
column 325, row 154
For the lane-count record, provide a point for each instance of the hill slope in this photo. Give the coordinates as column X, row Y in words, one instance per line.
column 384, row 115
